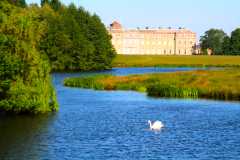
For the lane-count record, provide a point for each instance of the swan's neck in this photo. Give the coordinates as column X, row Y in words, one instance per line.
column 150, row 124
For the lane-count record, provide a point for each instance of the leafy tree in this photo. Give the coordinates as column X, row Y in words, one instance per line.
column 102, row 41
column 43, row 2
column 226, row 46
column 235, row 42
column 76, row 40
column 34, row 41
column 25, row 83
column 55, row 4
column 20, row 3
column 213, row 39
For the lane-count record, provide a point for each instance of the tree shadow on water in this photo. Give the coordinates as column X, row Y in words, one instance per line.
column 21, row 136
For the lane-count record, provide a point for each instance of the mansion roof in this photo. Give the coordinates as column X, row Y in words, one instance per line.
column 117, row 27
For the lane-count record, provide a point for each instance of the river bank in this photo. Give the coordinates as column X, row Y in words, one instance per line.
column 217, row 84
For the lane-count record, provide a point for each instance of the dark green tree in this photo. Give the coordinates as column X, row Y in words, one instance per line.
column 213, row 39
column 76, row 40
column 35, row 40
column 25, row 83
column 235, row 42
column 102, row 41
column 55, row 4
column 43, row 2
column 226, row 46
column 20, row 3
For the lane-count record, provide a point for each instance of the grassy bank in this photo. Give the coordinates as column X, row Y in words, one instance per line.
column 158, row 60
column 221, row 84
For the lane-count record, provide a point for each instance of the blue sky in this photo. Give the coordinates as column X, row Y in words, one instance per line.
column 197, row 15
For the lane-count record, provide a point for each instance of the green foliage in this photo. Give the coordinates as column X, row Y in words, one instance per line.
column 43, row 2
column 34, row 41
column 55, row 4
column 76, row 40
column 235, row 42
column 25, row 83
column 19, row 3
column 165, row 90
column 220, row 43
column 226, row 46
column 213, row 39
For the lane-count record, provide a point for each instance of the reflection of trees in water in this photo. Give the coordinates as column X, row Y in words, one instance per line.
column 21, row 135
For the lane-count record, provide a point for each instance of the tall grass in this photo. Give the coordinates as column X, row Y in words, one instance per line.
column 85, row 82
column 220, row 84
column 162, row 90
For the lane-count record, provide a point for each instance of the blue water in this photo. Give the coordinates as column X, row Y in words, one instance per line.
column 113, row 125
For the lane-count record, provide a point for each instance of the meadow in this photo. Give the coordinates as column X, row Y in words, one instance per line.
column 219, row 84
column 171, row 61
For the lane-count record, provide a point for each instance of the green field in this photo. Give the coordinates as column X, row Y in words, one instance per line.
column 219, row 84
column 158, row 60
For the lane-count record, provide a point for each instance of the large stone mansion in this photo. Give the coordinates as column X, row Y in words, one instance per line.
column 153, row 41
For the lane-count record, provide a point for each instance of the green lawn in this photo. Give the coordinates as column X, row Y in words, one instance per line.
column 158, row 60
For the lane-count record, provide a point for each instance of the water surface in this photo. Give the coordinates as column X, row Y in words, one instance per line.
column 113, row 125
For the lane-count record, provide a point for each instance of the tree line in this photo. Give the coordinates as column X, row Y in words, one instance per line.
column 220, row 43
column 75, row 39
column 35, row 40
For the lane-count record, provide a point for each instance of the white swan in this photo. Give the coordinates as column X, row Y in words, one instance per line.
column 157, row 125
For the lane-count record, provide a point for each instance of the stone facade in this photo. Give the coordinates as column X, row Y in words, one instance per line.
column 153, row 41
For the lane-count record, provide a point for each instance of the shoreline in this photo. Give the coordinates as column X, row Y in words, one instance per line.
column 206, row 84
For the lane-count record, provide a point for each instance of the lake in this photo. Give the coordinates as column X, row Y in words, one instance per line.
column 113, row 125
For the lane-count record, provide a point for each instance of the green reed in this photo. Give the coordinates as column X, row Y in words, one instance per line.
column 219, row 84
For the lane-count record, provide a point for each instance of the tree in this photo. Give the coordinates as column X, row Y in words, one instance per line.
column 55, row 4
column 25, row 83
column 235, row 42
column 35, row 40
column 76, row 40
column 102, row 42
column 20, row 3
column 213, row 39
column 226, row 46
column 43, row 2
